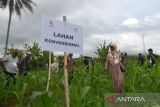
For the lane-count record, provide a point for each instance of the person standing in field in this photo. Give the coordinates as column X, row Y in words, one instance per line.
column 70, row 63
column 151, row 58
column 113, row 66
column 141, row 59
column 24, row 63
column 125, row 56
column 86, row 62
column 122, row 58
column 9, row 65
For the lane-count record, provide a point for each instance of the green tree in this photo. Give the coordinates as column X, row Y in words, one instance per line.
column 15, row 6
column 39, row 57
column 35, row 51
column 102, row 51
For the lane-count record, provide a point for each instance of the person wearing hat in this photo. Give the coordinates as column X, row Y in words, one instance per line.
column 24, row 64
column 114, row 67
column 9, row 65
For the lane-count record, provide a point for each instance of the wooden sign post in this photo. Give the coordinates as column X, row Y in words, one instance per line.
column 66, row 74
column 62, row 37
column 49, row 72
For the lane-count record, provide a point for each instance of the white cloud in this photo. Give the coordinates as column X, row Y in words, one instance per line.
column 131, row 22
column 119, row 21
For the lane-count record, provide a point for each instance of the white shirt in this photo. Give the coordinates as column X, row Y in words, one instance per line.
column 11, row 64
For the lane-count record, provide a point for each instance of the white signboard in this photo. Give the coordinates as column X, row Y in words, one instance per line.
column 60, row 36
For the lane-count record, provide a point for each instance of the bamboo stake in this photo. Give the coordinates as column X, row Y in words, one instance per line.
column 49, row 73
column 66, row 75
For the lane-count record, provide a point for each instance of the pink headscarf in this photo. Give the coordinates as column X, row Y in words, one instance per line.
column 114, row 46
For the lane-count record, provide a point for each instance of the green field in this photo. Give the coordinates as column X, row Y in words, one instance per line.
column 87, row 87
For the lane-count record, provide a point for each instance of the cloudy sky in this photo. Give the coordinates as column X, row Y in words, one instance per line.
column 120, row 21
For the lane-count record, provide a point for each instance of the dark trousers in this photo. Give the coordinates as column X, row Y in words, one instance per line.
column 70, row 76
column 10, row 78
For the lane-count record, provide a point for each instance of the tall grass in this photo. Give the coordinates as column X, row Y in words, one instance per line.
column 87, row 87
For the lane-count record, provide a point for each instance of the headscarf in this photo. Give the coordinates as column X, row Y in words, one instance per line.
column 114, row 46
column 70, row 54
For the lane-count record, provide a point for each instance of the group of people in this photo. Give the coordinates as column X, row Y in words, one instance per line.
column 150, row 59
column 114, row 64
